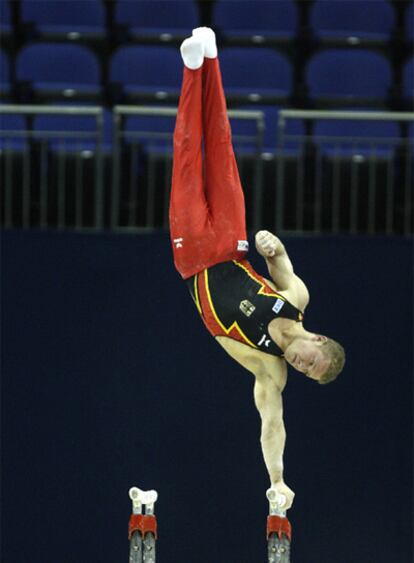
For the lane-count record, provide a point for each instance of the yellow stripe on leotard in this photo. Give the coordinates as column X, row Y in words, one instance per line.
column 197, row 300
column 234, row 324
column 262, row 284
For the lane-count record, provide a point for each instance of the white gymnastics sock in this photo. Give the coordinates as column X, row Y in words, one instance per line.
column 192, row 52
column 207, row 35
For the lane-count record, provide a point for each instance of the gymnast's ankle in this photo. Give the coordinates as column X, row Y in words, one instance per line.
column 207, row 35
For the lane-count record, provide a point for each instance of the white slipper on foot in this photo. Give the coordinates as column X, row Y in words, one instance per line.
column 207, row 35
column 192, row 52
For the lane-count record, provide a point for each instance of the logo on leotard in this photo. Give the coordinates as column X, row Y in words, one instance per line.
column 242, row 245
column 265, row 341
column 278, row 305
column 178, row 241
column 246, row 307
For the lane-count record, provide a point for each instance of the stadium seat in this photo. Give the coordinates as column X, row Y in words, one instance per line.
column 294, row 128
column 258, row 21
column 108, row 130
column 58, row 70
column 147, row 72
column 408, row 82
column 151, row 132
column 410, row 138
column 66, row 132
column 255, row 74
column 73, row 19
column 346, row 137
column 173, row 18
column 348, row 76
column 12, row 127
column 5, row 20
column 244, row 131
column 352, row 21
column 409, row 22
column 293, row 136
column 79, row 131
column 4, row 75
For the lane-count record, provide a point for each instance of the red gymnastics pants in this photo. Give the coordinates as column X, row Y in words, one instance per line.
column 207, row 213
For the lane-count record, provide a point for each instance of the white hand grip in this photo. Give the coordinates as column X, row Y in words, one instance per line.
column 142, row 497
column 134, row 493
column 276, row 498
column 149, row 497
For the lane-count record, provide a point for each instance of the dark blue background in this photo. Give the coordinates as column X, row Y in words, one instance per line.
column 110, row 380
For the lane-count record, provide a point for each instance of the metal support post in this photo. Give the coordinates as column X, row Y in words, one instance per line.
column 142, row 531
column 279, row 531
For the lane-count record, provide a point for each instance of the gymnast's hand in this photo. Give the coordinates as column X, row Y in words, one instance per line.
column 284, row 493
column 267, row 244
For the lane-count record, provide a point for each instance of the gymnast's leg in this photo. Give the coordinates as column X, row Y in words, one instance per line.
column 191, row 234
column 223, row 189
column 207, row 215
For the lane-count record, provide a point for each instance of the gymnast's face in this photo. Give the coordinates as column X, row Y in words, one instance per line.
column 306, row 356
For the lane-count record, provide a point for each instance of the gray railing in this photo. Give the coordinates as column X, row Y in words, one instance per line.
column 54, row 177
column 157, row 146
column 38, row 189
column 353, row 180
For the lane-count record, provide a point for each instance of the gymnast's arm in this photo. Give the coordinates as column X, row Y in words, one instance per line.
column 279, row 265
column 268, row 400
column 270, row 379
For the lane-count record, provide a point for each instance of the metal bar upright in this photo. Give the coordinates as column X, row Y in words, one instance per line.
column 279, row 531
column 8, row 205
column 142, row 530
column 116, row 172
column 99, row 188
column 408, row 187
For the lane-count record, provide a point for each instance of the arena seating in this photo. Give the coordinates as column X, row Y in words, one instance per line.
column 345, row 138
column 73, row 125
column 44, row 125
column 5, row 20
column 4, row 75
column 155, row 132
column 147, row 72
column 173, row 18
column 351, row 21
column 62, row 17
column 409, row 22
column 294, row 128
column 410, row 136
column 273, row 55
column 301, row 32
column 242, row 130
column 14, row 125
column 408, row 82
column 59, row 70
column 259, row 21
column 256, row 74
column 349, row 76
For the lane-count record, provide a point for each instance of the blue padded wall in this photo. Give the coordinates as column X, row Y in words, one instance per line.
column 110, row 379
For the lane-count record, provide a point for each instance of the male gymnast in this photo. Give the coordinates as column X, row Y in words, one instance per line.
column 257, row 321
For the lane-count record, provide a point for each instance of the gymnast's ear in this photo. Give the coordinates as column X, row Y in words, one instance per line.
column 319, row 338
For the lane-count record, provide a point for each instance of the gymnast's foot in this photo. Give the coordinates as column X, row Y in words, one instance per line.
column 208, row 37
column 192, row 52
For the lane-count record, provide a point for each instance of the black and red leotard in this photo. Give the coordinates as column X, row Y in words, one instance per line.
column 235, row 301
